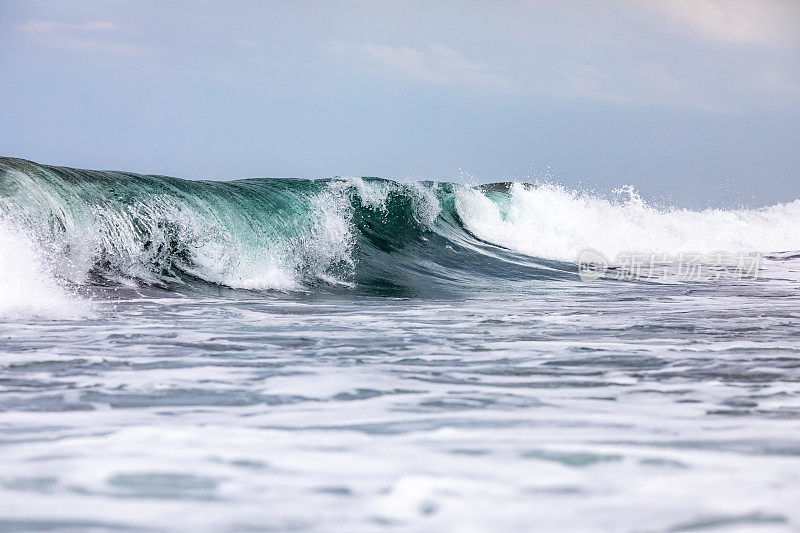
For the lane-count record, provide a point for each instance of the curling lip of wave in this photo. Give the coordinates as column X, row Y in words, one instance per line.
column 107, row 228
column 104, row 228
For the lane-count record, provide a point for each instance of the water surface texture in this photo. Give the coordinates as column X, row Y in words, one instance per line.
column 364, row 355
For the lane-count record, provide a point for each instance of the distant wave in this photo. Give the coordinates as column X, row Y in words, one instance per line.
column 64, row 229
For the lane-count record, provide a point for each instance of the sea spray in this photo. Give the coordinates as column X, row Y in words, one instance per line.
column 29, row 288
column 103, row 229
column 552, row 222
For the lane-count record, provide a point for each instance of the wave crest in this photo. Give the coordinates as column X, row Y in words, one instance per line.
column 552, row 222
column 111, row 229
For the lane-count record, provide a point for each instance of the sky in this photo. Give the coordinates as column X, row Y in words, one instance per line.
column 692, row 102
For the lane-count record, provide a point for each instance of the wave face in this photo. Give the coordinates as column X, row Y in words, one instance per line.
column 69, row 228
column 116, row 229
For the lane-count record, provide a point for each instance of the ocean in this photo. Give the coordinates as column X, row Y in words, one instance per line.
column 359, row 354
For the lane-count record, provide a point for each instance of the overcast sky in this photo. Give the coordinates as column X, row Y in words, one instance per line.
column 694, row 102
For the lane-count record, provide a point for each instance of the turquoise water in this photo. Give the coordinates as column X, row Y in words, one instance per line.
column 364, row 355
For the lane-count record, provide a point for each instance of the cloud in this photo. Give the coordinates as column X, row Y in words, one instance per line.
column 245, row 43
column 776, row 83
column 83, row 37
column 732, row 22
column 720, row 56
column 438, row 64
column 646, row 83
column 51, row 26
column 586, row 79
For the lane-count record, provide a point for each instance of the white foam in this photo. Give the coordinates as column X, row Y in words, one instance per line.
column 27, row 287
column 554, row 223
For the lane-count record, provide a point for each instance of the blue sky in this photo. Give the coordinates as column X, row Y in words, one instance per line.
column 694, row 102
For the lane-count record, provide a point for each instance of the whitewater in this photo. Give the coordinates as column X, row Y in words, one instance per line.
column 361, row 354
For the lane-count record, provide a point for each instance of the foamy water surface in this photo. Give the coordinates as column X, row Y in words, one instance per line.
column 362, row 355
column 569, row 408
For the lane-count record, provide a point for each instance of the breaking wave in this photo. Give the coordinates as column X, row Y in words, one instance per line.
column 63, row 230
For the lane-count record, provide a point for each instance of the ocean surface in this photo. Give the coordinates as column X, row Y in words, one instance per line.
column 357, row 354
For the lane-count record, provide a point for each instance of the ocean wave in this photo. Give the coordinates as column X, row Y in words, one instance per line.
column 556, row 223
column 78, row 228
column 29, row 286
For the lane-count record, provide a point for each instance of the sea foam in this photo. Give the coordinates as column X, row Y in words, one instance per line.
column 552, row 222
column 28, row 288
